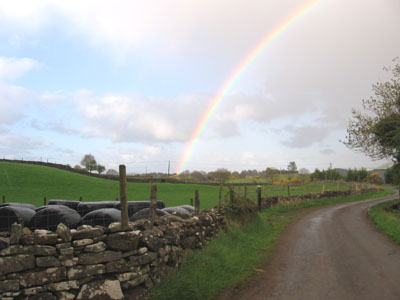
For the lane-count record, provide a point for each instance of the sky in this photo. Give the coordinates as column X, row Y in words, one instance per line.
column 128, row 81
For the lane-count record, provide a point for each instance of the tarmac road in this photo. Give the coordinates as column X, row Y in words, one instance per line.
column 333, row 252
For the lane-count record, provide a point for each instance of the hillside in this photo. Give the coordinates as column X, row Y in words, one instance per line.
column 30, row 183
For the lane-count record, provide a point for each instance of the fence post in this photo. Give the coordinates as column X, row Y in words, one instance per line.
column 4, row 199
column 288, row 190
column 122, row 192
column 323, row 189
column 191, row 201
column 231, row 194
column 44, row 201
column 259, row 197
column 196, row 202
column 153, row 203
column 219, row 197
column 80, row 199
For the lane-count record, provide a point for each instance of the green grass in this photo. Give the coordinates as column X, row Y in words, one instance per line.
column 387, row 221
column 233, row 256
column 30, row 183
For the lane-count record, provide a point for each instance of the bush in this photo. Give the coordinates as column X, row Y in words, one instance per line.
column 241, row 210
column 374, row 179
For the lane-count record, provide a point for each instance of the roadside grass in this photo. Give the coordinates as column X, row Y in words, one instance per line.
column 387, row 221
column 232, row 257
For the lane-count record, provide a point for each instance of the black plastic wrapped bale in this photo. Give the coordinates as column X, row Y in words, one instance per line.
column 177, row 210
column 14, row 214
column 189, row 208
column 25, row 205
column 102, row 216
column 69, row 203
column 49, row 217
column 144, row 214
column 86, row 207
column 135, row 206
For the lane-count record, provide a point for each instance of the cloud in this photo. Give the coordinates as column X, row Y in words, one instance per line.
column 305, row 136
column 56, row 126
column 12, row 143
column 137, row 118
column 12, row 68
column 327, row 152
column 14, row 101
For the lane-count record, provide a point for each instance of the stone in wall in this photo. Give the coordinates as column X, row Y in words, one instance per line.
column 124, row 241
column 101, row 257
column 17, row 263
column 101, row 290
column 79, row 272
column 33, row 278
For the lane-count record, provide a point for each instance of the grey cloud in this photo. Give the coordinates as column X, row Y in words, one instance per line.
column 303, row 137
column 11, row 143
column 327, row 152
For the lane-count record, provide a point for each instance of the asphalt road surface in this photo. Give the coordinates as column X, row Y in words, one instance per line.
column 333, row 252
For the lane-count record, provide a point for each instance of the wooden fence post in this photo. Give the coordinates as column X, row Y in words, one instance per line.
column 4, row 199
column 124, row 200
column 80, row 199
column 196, row 202
column 44, row 201
column 288, row 190
column 259, row 197
column 153, row 203
column 219, row 197
column 231, row 194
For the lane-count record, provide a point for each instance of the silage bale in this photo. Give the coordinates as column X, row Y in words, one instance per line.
column 14, row 214
column 69, row 203
column 48, row 217
column 189, row 208
column 25, row 205
column 177, row 210
column 144, row 214
column 87, row 207
column 102, row 216
column 135, row 206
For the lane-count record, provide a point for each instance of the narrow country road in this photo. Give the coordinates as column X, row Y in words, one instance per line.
column 333, row 252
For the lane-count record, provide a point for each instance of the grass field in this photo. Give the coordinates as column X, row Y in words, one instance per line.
column 234, row 256
column 30, row 183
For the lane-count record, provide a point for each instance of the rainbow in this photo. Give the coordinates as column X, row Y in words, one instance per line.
column 239, row 70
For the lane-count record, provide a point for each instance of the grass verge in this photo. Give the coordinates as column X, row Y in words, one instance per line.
column 233, row 256
column 387, row 221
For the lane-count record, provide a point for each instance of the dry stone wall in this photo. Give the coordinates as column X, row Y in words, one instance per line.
column 97, row 262
column 271, row 201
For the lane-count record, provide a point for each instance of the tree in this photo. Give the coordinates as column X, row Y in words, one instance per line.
column 221, row 175
column 100, row 168
column 112, row 172
column 89, row 162
column 292, row 167
column 304, row 171
column 198, row 176
column 376, row 132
